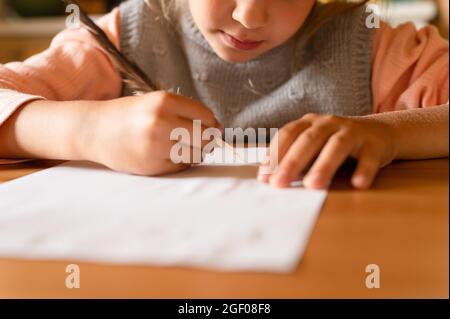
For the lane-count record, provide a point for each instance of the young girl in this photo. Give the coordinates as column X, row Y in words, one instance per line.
column 334, row 85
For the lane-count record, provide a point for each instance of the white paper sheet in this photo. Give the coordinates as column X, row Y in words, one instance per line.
column 215, row 217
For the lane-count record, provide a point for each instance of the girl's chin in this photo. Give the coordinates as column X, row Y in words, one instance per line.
column 233, row 56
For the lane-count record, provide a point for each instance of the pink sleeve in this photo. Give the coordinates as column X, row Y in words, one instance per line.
column 72, row 68
column 410, row 68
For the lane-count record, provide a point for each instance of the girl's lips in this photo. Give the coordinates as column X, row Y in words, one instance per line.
column 241, row 45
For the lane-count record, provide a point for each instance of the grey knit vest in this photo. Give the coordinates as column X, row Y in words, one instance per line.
column 332, row 75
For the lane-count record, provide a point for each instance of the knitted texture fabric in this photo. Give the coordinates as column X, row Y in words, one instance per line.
column 331, row 74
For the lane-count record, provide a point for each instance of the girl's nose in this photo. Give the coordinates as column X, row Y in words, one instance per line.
column 252, row 14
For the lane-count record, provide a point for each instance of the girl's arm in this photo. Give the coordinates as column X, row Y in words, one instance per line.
column 72, row 68
column 411, row 74
column 48, row 129
column 374, row 140
column 417, row 133
column 409, row 81
column 129, row 134
column 409, row 68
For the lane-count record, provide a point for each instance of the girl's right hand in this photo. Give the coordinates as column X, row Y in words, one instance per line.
column 132, row 134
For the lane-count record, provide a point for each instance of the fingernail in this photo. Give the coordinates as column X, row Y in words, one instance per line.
column 280, row 180
column 263, row 175
column 263, row 178
column 313, row 181
column 359, row 181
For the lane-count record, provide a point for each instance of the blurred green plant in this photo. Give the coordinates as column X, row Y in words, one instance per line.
column 32, row 8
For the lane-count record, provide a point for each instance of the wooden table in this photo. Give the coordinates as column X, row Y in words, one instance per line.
column 401, row 225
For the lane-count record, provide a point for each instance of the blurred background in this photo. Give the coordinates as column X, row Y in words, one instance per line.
column 27, row 26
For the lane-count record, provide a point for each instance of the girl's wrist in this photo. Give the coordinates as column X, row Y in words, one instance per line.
column 87, row 132
column 393, row 138
column 47, row 129
column 386, row 130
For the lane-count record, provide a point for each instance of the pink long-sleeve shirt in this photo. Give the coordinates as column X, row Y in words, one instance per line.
column 410, row 69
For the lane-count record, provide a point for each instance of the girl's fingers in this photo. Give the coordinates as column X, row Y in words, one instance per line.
column 171, row 143
column 300, row 154
column 285, row 137
column 182, row 154
column 193, row 110
column 367, row 168
column 330, row 159
column 185, row 125
column 279, row 146
column 169, row 167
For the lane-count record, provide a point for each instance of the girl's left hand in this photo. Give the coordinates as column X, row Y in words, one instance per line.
column 331, row 139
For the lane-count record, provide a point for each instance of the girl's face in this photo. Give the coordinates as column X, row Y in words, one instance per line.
column 242, row 30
